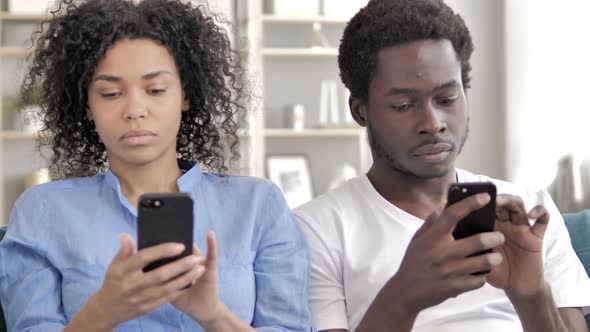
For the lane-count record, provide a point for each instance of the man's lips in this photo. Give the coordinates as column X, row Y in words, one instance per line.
column 137, row 133
column 428, row 149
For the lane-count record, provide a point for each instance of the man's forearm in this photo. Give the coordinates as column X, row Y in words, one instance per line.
column 387, row 314
column 538, row 312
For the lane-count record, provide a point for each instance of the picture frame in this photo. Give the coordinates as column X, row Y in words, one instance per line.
column 291, row 173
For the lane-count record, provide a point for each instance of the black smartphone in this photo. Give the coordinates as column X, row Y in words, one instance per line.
column 480, row 220
column 165, row 217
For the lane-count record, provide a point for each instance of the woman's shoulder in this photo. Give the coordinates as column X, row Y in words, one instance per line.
column 240, row 183
column 244, row 191
column 58, row 189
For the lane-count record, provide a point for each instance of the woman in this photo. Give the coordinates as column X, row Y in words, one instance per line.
column 131, row 93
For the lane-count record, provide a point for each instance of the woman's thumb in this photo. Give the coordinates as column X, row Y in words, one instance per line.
column 127, row 247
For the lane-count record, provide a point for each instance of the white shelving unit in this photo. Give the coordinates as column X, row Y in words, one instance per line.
column 295, row 52
column 16, row 147
column 290, row 67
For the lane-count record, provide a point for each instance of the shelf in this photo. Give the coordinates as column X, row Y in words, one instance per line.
column 330, row 52
column 269, row 18
column 14, row 51
column 16, row 135
column 316, row 132
column 8, row 16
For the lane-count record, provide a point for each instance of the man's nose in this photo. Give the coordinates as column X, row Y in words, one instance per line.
column 432, row 121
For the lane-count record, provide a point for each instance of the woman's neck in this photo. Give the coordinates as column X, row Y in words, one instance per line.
column 136, row 180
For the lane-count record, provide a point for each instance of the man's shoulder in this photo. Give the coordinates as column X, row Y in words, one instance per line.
column 530, row 195
column 334, row 202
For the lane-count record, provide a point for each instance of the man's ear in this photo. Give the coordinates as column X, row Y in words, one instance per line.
column 358, row 110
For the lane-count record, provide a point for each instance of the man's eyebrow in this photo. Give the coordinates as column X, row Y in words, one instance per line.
column 396, row 91
column 449, row 84
column 400, row 91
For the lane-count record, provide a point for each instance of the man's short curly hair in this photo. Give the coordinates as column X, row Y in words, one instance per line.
column 75, row 38
column 385, row 23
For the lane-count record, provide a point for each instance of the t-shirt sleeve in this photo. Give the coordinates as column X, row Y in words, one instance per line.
column 326, row 292
column 563, row 270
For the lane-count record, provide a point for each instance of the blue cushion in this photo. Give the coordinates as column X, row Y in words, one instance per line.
column 2, row 320
column 578, row 225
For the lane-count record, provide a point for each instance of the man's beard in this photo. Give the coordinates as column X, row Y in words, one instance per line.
column 380, row 151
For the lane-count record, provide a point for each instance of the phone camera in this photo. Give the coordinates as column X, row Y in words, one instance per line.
column 157, row 203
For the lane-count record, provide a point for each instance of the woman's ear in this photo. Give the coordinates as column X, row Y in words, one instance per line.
column 185, row 105
column 89, row 114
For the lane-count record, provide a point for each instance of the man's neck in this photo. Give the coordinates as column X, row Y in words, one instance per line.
column 136, row 180
column 417, row 196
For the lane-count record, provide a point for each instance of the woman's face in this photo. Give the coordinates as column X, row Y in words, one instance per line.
column 136, row 100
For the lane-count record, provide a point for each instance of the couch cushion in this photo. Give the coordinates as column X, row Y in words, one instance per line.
column 578, row 225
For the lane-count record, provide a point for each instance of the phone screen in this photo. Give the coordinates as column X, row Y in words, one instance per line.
column 163, row 218
column 480, row 220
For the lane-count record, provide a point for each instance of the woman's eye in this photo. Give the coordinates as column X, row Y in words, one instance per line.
column 156, row 91
column 110, row 94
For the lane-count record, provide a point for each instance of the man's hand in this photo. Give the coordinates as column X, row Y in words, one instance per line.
column 521, row 271
column 436, row 266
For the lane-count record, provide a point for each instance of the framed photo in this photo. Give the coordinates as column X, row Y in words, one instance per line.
column 291, row 175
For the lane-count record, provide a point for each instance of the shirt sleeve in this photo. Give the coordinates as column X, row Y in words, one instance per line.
column 563, row 270
column 30, row 287
column 281, row 270
column 327, row 300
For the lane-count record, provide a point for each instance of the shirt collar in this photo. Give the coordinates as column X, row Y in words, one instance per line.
column 187, row 182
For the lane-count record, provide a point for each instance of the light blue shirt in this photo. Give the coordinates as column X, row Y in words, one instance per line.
column 62, row 236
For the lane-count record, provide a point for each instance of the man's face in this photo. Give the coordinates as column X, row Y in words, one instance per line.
column 416, row 113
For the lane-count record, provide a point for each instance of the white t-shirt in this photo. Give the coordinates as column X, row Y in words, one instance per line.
column 358, row 239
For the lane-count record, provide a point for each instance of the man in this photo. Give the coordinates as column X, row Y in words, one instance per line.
column 384, row 258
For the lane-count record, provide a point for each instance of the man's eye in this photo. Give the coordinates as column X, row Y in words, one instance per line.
column 402, row 107
column 447, row 101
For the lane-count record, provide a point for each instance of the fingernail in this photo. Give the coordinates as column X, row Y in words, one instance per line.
column 483, row 198
column 178, row 247
column 495, row 259
column 500, row 237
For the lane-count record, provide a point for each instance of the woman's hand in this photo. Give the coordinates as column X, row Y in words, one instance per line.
column 201, row 300
column 128, row 292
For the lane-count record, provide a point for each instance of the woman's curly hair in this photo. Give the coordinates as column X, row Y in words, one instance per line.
column 75, row 38
column 385, row 23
